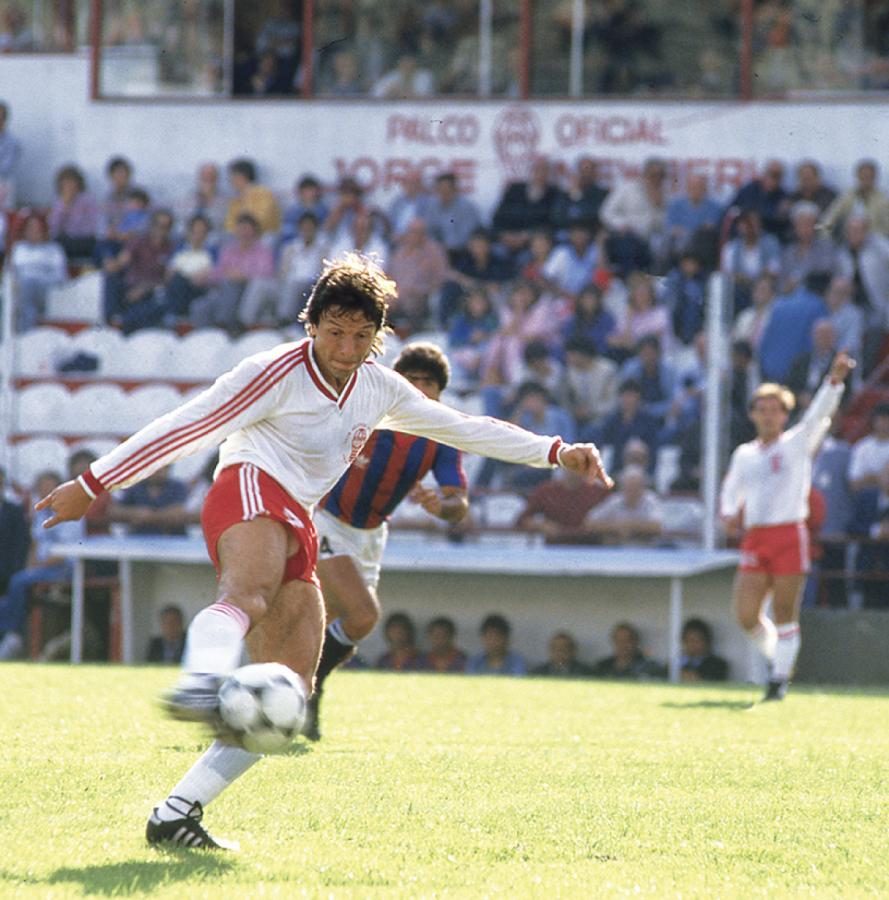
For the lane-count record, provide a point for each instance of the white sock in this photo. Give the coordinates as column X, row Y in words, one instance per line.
column 335, row 629
column 786, row 651
column 765, row 637
column 215, row 639
column 206, row 779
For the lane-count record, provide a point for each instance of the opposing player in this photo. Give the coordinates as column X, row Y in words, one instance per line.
column 765, row 494
column 289, row 422
column 351, row 519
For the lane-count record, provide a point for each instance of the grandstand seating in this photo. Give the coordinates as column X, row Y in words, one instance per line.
column 39, row 350
column 32, row 456
column 94, row 409
column 42, row 407
column 201, row 355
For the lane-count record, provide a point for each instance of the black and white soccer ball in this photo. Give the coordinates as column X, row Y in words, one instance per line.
column 263, row 706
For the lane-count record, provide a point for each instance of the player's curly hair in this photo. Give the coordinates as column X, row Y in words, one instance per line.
column 426, row 358
column 353, row 283
column 769, row 389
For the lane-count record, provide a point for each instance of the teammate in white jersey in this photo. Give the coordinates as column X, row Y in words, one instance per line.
column 289, row 422
column 766, row 494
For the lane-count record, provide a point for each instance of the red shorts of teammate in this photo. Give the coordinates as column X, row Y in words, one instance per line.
column 243, row 492
column 776, row 549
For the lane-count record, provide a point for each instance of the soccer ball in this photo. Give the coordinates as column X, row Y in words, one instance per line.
column 263, row 705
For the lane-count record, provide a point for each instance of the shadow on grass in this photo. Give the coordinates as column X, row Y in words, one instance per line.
column 122, row 879
column 736, row 705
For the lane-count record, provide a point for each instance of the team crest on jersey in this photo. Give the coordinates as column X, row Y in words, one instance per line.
column 357, row 439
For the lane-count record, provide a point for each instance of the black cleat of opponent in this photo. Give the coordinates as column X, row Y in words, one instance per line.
column 311, row 729
column 184, row 832
column 775, row 690
column 195, row 701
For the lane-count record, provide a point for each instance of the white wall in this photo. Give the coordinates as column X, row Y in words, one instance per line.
column 487, row 142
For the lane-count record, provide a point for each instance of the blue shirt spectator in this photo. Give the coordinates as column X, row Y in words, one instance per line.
column 154, row 506
column 789, row 332
column 629, row 420
column 591, row 320
column 497, row 658
column 452, row 218
column 654, row 375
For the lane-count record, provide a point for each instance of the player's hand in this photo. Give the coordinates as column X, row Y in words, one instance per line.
column 841, row 366
column 586, row 461
column 733, row 525
column 69, row 501
column 429, row 499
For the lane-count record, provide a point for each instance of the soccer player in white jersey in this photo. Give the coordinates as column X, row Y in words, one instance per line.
column 289, row 422
column 765, row 494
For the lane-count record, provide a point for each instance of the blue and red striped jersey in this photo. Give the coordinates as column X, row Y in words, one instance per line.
column 385, row 470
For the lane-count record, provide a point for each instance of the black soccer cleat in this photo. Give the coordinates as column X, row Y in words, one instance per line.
column 185, row 832
column 196, row 702
column 311, row 729
column 775, row 690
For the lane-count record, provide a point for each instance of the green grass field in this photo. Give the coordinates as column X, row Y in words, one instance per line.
column 446, row 786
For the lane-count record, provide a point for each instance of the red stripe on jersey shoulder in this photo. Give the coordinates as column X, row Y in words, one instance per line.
column 316, row 376
column 177, row 438
column 348, row 389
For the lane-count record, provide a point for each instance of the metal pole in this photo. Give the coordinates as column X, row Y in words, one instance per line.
column 675, row 628
column 228, row 47
column 126, row 611
column 746, row 50
column 575, row 76
column 78, row 601
column 7, row 366
column 485, row 53
column 710, row 431
column 526, row 28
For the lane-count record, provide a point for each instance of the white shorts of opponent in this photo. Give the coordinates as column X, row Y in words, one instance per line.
column 364, row 545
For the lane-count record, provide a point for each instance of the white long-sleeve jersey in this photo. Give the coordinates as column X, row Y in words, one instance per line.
column 276, row 410
column 771, row 482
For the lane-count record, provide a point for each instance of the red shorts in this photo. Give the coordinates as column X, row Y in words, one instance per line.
column 241, row 493
column 776, row 549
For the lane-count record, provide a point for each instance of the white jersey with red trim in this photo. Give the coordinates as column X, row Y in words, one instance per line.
column 276, row 410
column 771, row 482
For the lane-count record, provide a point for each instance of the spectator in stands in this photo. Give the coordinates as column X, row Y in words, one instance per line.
column 864, row 199
column 563, row 661
column 765, row 196
column 479, row 263
column 205, row 199
column 865, row 263
column 132, row 278
column 806, row 252
column 542, row 366
column 349, row 204
column 870, row 520
column 168, row 646
column 631, row 515
column 588, row 388
column 526, row 206
column 846, row 318
column 808, row 369
column 10, row 154
column 266, row 78
column 14, row 536
column 97, row 516
column 635, row 215
column 643, row 317
column 37, row 264
column 74, row 218
column 496, row 658
column 628, row 660
column 154, row 506
column 472, row 329
column 119, row 172
column 342, row 79
column 692, row 220
column 699, row 662
column 629, row 420
column 655, row 376
column 413, row 202
column 788, row 332
column 252, row 198
column 44, row 565
column 452, row 218
column 532, row 260
column 750, row 323
column 590, row 321
column 406, row 81
column 308, row 198
column 299, row 267
column 636, row 453
column 571, row 265
column 442, row 655
column 749, row 256
column 418, row 266
column 830, row 475
column 558, row 507
column 583, row 200
column 188, row 272
column 360, row 237
column 743, row 383
column 243, row 260
column 685, row 295
column 870, row 455
column 810, row 188
column 400, row 636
